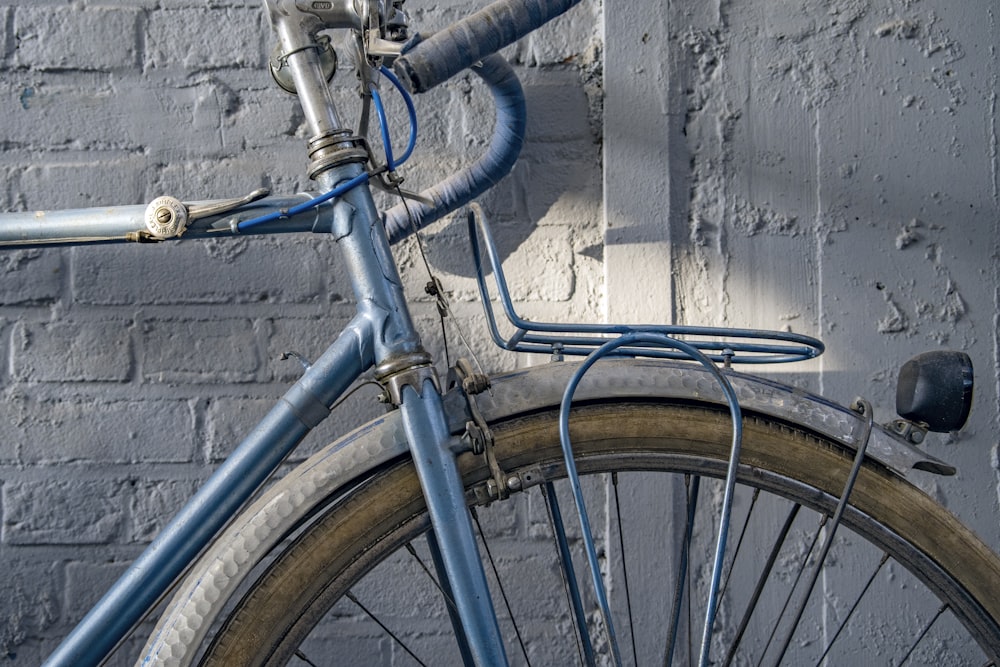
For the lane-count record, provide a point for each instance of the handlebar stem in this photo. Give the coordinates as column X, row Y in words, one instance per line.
column 300, row 51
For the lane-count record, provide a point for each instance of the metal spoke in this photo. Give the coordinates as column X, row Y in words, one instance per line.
column 503, row 593
column 430, row 575
column 445, row 589
column 788, row 598
column 682, row 568
column 847, row 618
column 761, row 582
column 394, row 636
column 569, row 573
column 739, row 543
column 621, row 549
column 922, row 634
column 302, row 656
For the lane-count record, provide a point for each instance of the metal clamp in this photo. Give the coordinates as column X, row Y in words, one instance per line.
column 911, row 431
column 168, row 217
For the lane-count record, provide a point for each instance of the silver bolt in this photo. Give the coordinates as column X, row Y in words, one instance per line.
column 514, row 483
column 164, row 215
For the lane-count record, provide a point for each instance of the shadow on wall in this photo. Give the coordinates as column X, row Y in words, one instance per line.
column 555, row 183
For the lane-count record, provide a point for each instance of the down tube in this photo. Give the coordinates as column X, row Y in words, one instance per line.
column 298, row 411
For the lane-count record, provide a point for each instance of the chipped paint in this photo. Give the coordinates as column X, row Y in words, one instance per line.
column 25, row 97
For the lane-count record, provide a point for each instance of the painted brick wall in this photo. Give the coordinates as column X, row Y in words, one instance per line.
column 824, row 166
column 129, row 371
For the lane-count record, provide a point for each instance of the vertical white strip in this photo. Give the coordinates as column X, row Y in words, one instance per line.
column 637, row 253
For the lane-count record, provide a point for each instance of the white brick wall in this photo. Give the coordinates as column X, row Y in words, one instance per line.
column 130, row 370
column 786, row 148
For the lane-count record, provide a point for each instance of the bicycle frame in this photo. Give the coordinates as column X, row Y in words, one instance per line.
column 380, row 336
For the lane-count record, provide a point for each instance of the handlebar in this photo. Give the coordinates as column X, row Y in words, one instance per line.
column 427, row 63
column 472, row 43
column 462, row 187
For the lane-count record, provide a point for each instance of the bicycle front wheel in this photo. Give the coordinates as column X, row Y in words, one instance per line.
column 905, row 582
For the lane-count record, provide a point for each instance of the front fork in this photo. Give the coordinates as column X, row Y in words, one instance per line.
column 401, row 362
column 453, row 542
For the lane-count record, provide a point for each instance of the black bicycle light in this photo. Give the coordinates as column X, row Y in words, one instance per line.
column 935, row 388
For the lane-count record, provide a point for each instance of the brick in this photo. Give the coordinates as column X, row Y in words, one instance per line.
column 539, row 263
column 154, row 502
column 543, row 267
column 266, row 115
column 553, row 193
column 81, row 429
column 166, row 122
column 205, row 39
column 71, row 352
column 62, row 512
column 8, row 193
column 6, row 39
column 9, row 447
column 595, row 495
column 152, row 120
column 49, row 38
column 204, row 179
column 557, row 111
column 472, row 322
column 526, row 570
column 31, row 593
column 371, row 650
column 81, row 185
column 87, row 582
column 503, row 520
column 30, row 276
column 396, row 602
column 229, row 420
column 32, row 652
column 218, row 271
column 209, row 351
column 561, row 39
column 470, row 105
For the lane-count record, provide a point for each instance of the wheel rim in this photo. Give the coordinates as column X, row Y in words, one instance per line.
column 348, row 614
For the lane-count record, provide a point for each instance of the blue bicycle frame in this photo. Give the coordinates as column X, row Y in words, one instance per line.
column 380, row 336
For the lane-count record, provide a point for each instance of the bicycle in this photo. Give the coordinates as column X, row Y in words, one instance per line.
column 504, row 424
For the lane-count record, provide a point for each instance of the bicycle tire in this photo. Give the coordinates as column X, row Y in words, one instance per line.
column 349, row 532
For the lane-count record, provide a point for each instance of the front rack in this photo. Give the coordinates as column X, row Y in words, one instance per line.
column 720, row 344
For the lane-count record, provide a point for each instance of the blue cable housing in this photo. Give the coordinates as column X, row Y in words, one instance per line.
column 304, row 206
column 383, row 124
column 410, row 110
column 462, row 187
column 360, row 178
